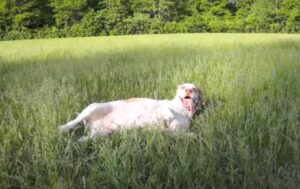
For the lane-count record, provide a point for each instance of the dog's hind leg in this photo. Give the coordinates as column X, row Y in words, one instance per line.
column 99, row 129
column 92, row 112
column 81, row 117
column 73, row 123
column 92, row 135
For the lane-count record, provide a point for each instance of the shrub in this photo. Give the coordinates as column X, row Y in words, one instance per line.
column 196, row 23
column 14, row 35
column 139, row 24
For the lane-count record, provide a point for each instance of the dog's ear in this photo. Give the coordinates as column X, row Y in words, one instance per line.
column 200, row 103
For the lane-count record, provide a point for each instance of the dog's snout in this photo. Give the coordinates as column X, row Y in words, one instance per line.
column 188, row 91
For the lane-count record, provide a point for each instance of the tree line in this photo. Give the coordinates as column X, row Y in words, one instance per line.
column 23, row 19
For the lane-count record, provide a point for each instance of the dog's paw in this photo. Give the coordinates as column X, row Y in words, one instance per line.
column 62, row 128
column 191, row 135
column 83, row 139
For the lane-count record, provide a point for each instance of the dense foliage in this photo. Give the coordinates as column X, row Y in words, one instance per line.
column 22, row 19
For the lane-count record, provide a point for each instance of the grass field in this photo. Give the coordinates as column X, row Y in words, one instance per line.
column 248, row 136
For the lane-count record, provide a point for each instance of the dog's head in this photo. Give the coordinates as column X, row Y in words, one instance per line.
column 191, row 98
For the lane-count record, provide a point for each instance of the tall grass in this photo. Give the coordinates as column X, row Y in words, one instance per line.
column 248, row 136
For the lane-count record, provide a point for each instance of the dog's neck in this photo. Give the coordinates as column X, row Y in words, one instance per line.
column 179, row 104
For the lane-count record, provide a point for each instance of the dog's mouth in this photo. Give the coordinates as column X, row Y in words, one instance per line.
column 188, row 104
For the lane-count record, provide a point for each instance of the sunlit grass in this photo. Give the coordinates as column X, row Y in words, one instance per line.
column 248, row 137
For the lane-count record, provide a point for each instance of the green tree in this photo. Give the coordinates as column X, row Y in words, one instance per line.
column 243, row 9
column 25, row 14
column 138, row 24
column 112, row 13
column 162, row 9
column 265, row 16
column 291, row 8
column 68, row 12
column 20, row 19
column 4, row 24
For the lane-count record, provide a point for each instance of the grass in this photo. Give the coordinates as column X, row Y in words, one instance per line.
column 248, row 136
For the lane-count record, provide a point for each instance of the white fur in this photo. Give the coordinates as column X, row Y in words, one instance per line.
column 104, row 118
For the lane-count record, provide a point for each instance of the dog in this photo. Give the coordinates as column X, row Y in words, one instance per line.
column 104, row 118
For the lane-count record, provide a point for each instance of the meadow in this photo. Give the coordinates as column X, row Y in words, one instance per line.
column 247, row 137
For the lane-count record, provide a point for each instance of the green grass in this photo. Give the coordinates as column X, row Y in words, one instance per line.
column 248, row 136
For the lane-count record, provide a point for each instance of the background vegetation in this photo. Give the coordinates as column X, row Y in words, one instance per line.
column 23, row 19
column 248, row 136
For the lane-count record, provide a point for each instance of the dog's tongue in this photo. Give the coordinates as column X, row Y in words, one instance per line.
column 188, row 104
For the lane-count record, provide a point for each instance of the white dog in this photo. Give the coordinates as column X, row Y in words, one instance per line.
column 104, row 118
